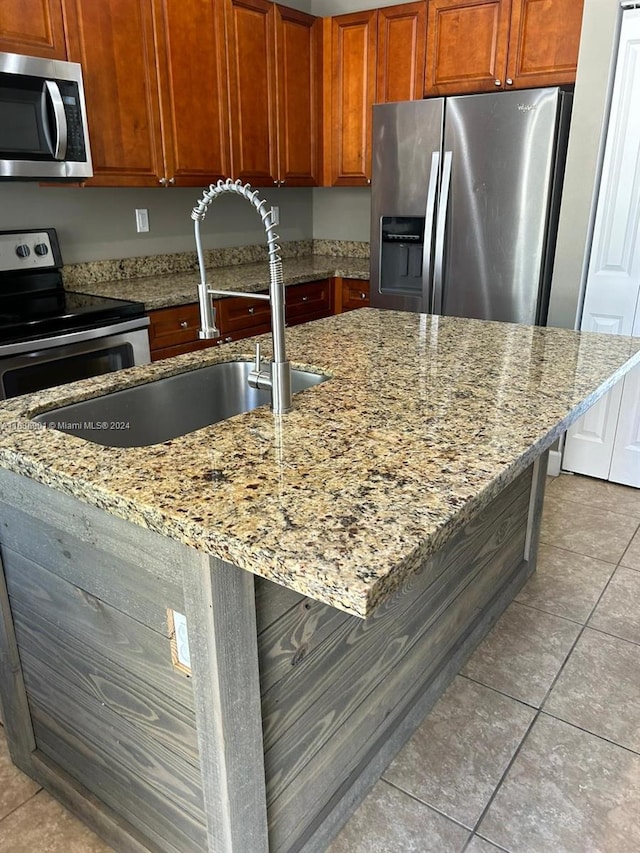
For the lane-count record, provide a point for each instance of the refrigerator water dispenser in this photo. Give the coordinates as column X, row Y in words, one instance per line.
column 401, row 254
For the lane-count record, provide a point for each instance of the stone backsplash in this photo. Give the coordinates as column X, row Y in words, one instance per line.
column 93, row 272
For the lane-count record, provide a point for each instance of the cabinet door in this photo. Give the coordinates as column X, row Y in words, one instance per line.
column 543, row 42
column 466, row 46
column 355, row 294
column 252, row 90
column 192, row 73
column 32, row 27
column 298, row 52
column 353, row 54
column 114, row 41
column 309, row 301
column 401, row 51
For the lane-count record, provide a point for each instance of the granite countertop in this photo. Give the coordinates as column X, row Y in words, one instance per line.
column 167, row 289
column 424, row 421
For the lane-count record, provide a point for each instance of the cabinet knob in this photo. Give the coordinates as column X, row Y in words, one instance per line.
column 363, row 295
column 282, row 183
column 276, row 183
column 183, row 324
column 305, row 298
column 509, row 81
column 228, row 339
column 172, row 181
column 368, row 181
column 252, row 310
column 497, row 82
column 163, row 181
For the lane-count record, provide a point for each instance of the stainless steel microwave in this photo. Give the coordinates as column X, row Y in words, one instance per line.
column 43, row 120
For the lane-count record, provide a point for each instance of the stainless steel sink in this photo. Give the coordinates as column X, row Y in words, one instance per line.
column 169, row 407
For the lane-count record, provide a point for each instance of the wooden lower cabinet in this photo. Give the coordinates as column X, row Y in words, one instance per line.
column 174, row 331
column 350, row 293
column 309, row 301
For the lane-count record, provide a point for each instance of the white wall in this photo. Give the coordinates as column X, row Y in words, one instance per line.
column 598, row 43
column 99, row 223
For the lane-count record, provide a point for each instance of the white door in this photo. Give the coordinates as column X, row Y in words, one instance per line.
column 613, row 278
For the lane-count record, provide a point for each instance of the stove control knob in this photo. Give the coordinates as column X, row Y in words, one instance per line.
column 23, row 251
column 41, row 249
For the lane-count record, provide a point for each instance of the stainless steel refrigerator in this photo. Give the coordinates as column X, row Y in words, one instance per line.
column 465, row 199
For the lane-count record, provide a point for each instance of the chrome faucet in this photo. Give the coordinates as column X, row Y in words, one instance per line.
column 279, row 378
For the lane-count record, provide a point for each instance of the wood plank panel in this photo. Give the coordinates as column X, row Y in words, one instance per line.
column 14, row 708
column 32, row 27
column 272, row 602
column 220, row 611
column 423, row 597
column 402, row 34
column 130, row 542
column 322, row 718
column 152, row 710
column 130, row 773
column 100, row 629
column 374, row 719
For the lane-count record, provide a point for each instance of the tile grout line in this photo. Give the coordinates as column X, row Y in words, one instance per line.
column 14, row 810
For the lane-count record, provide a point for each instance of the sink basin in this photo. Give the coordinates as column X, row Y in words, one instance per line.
column 169, row 407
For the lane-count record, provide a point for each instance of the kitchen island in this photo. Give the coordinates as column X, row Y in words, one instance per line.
column 335, row 567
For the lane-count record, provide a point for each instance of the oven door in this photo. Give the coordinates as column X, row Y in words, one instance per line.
column 37, row 365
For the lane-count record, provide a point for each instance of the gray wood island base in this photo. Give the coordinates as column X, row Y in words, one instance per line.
column 293, row 708
column 332, row 569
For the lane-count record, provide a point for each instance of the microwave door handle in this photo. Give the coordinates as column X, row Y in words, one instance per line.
column 441, row 224
column 427, row 240
column 59, row 147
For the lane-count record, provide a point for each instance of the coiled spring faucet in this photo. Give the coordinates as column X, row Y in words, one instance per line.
column 279, row 379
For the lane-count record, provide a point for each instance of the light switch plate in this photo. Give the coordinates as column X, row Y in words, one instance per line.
column 142, row 219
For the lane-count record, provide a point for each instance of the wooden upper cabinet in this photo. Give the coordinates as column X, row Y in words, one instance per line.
column 544, row 41
column 194, row 106
column 114, row 41
column 353, row 84
column 401, row 52
column 252, row 90
column 299, row 56
column 32, row 27
column 466, row 46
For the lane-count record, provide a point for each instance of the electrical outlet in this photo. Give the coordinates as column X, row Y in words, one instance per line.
column 142, row 219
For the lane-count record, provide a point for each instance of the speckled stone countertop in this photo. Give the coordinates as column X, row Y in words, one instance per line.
column 167, row 289
column 424, row 421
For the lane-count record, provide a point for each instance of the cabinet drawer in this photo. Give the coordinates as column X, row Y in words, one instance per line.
column 172, row 326
column 235, row 314
column 179, row 349
column 308, row 301
column 355, row 294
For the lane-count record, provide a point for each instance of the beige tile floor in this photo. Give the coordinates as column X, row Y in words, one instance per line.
column 535, row 747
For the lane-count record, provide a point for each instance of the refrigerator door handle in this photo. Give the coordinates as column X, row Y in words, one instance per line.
column 428, row 228
column 441, row 224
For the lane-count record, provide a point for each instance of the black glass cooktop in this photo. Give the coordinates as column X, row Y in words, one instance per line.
column 44, row 314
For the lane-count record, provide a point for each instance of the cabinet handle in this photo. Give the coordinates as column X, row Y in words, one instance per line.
column 163, row 181
column 228, row 339
column 252, row 310
column 172, row 181
column 305, row 298
column 363, row 296
column 276, row 183
column 368, row 181
column 282, row 183
column 497, row 82
column 509, row 81
column 184, row 324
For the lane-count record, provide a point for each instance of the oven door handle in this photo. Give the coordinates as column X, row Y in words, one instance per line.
column 37, row 344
